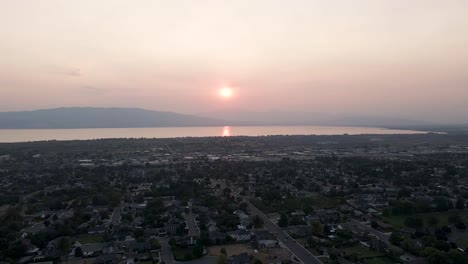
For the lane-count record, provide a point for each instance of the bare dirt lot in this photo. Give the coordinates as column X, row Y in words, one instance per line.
column 265, row 255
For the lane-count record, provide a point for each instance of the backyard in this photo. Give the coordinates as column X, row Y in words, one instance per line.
column 361, row 252
column 90, row 239
column 442, row 218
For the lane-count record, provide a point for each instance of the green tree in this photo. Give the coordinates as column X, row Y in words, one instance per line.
column 283, row 221
column 454, row 218
column 227, row 191
column 198, row 251
column 317, row 228
column 414, row 222
column 443, row 204
column 257, row 222
column 458, row 257
column 155, row 244
column 432, row 221
column 223, row 251
column 222, row 259
column 460, row 204
column 188, row 256
column 172, row 242
column 395, row 238
column 438, row 257
column 78, row 252
column 138, row 233
column 64, row 244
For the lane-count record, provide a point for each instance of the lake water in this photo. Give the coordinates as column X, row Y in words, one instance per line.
column 23, row 135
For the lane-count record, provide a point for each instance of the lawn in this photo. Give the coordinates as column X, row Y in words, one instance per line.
column 326, row 260
column 460, row 237
column 378, row 261
column 292, row 204
column 90, row 239
column 442, row 217
column 362, row 252
column 182, row 253
column 155, row 256
column 230, row 249
column 264, row 255
column 464, row 242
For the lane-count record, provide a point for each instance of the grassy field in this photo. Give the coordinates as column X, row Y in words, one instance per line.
column 181, row 253
column 264, row 255
column 442, row 217
column 464, row 242
column 362, row 252
column 378, row 261
column 90, row 239
column 155, row 256
column 230, row 249
column 326, row 260
column 460, row 237
column 293, row 204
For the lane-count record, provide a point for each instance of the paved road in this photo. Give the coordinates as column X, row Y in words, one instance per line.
column 380, row 235
column 166, row 253
column 116, row 214
column 166, row 256
column 295, row 247
column 191, row 224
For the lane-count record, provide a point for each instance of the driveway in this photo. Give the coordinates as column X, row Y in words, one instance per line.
column 166, row 256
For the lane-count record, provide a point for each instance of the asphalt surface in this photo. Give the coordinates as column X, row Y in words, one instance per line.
column 191, row 224
column 166, row 256
column 115, row 217
column 380, row 235
column 292, row 245
column 295, row 247
column 166, row 253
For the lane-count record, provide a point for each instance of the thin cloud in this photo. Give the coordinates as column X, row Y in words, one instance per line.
column 64, row 70
column 95, row 89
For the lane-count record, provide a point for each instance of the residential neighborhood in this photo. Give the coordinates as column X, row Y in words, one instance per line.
column 316, row 199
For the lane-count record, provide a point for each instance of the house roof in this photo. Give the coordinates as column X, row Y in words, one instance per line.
column 94, row 247
column 242, row 233
column 240, row 259
column 140, row 245
column 263, row 235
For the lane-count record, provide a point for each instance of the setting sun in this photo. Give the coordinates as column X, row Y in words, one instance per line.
column 226, row 92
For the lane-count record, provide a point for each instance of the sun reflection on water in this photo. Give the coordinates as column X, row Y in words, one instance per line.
column 226, row 131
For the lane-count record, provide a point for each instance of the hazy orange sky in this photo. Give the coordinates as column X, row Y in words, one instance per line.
column 402, row 58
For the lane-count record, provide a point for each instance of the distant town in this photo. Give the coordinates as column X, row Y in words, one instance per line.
column 371, row 199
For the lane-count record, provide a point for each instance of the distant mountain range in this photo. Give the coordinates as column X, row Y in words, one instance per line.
column 303, row 118
column 89, row 117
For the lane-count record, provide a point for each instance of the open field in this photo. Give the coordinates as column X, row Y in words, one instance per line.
column 378, row 261
column 90, row 239
column 362, row 252
column 442, row 217
column 264, row 255
column 460, row 237
column 304, row 204
column 326, row 260
column 182, row 253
